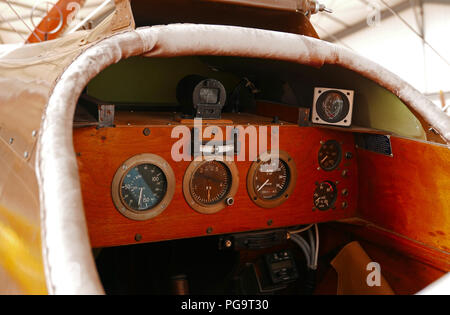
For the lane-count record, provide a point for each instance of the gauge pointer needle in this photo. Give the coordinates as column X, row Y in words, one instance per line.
column 261, row 187
column 324, row 159
column 140, row 197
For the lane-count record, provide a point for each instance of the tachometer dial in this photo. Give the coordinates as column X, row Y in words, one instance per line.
column 271, row 179
column 210, row 185
column 330, row 155
column 325, row 195
column 143, row 186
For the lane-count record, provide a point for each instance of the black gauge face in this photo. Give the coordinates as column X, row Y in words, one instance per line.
column 330, row 155
column 210, row 183
column 271, row 179
column 332, row 106
column 209, row 95
column 143, row 187
column 325, row 195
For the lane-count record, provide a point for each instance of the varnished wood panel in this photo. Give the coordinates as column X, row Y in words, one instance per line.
column 101, row 151
column 408, row 193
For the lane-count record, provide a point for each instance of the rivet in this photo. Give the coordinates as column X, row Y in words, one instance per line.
column 138, row 237
column 33, row 133
column 209, row 230
column 269, row 222
column 25, row 154
column 228, row 243
column 11, row 140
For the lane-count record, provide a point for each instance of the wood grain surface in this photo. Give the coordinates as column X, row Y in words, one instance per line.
column 408, row 193
column 101, row 152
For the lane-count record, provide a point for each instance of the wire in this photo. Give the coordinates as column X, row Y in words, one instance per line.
column 20, row 18
column 316, row 258
column 313, row 248
column 301, row 230
column 333, row 37
column 12, row 26
column 310, row 250
column 301, row 242
column 414, row 31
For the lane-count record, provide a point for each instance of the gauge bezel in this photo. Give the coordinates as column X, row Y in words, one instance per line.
column 216, row 207
column 320, row 109
column 319, row 94
column 339, row 158
column 144, row 158
column 275, row 202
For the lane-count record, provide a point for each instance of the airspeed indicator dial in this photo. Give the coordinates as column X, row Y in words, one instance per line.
column 143, row 187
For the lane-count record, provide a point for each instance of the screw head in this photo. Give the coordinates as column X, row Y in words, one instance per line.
column 138, row 237
column 228, row 243
column 146, row 132
column 209, row 230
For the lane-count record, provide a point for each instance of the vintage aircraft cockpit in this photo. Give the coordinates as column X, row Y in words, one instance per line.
column 220, row 148
column 177, row 154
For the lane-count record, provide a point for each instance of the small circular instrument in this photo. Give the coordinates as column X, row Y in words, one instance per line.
column 332, row 106
column 209, row 185
column 143, row 186
column 330, row 155
column 271, row 179
column 325, row 195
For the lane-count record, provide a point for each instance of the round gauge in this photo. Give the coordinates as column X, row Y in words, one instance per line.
column 330, row 155
column 210, row 182
column 143, row 186
column 210, row 185
column 332, row 106
column 325, row 195
column 271, row 179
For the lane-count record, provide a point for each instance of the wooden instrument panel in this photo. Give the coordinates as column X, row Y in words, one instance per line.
column 100, row 152
column 408, row 193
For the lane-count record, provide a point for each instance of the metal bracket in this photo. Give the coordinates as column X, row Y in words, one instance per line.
column 303, row 117
column 105, row 116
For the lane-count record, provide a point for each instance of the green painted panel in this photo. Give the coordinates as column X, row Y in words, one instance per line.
column 141, row 80
column 150, row 80
column 375, row 107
